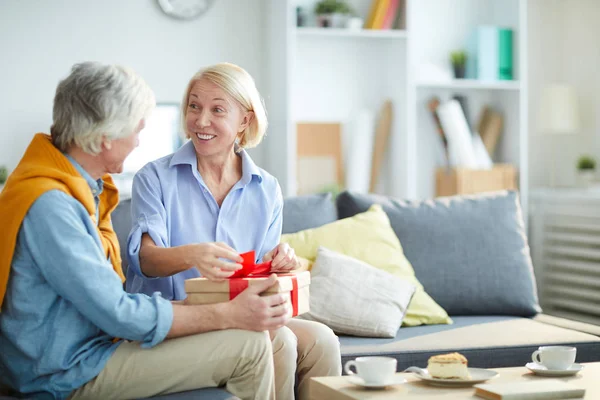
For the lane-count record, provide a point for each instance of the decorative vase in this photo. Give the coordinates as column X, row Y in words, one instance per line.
column 459, row 71
column 324, row 20
column 585, row 177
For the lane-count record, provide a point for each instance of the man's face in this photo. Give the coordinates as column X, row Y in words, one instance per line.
column 116, row 152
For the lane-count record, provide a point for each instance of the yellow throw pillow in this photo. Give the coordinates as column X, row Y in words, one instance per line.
column 369, row 237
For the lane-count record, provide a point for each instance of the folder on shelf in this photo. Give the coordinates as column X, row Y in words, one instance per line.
column 505, row 54
column 382, row 7
column 390, row 15
column 487, row 53
column 490, row 50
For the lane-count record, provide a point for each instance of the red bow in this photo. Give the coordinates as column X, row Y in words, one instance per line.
column 249, row 266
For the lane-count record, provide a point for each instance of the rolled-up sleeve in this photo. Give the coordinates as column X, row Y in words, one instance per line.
column 66, row 249
column 148, row 215
column 273, row 235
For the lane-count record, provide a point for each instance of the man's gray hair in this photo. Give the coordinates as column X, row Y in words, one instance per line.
column 98, row 102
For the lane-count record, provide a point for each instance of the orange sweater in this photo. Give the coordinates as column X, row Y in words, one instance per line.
column 44, row 168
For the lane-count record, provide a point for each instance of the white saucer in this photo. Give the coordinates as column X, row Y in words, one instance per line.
column 395, row 380
column 543, row 371
column 478, row 375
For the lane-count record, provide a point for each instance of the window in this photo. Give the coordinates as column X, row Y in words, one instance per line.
column 160, row 137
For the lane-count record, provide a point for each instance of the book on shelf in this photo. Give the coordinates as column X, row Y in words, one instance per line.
column 530, row 390
column 385, row 15
column 490, row 54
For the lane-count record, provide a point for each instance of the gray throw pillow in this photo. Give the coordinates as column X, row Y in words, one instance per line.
column 354, row 298
column 307, row 212
column 470, row 252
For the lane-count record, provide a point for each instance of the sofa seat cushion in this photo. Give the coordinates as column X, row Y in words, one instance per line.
column 486, row 341
column 200, row 394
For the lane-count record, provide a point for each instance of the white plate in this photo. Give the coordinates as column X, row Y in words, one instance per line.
column 478, row 375
column 543, row 371
column 396, row 380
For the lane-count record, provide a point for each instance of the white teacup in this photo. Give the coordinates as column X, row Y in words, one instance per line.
column 555, row 357
column 372, row 370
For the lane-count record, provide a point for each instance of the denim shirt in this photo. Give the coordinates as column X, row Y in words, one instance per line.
column 64, row 303
column 171, row 202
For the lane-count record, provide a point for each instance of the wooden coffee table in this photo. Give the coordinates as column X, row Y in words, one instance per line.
column 338, row 388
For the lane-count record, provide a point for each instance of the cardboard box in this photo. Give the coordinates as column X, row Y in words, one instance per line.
column 468, row 181
column 204, row 291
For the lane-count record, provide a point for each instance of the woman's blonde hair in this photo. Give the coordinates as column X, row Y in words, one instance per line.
column 240, row 86
column 98, row 101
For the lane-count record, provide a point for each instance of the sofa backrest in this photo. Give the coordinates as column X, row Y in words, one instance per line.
column 470, row 252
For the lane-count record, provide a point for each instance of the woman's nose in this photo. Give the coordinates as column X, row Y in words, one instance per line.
column 203, row 120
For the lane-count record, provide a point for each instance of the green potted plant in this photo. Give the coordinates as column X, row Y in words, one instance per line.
column 586, row 170
column 458, row 59
column 3, row 175
column 331, row 13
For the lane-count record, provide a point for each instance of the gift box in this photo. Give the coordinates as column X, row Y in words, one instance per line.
column 205, row 291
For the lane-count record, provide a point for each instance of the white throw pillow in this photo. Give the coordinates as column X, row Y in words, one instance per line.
column 354, row 298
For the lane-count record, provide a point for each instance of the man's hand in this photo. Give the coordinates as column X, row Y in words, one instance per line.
column 282, row 257
column 253, row 312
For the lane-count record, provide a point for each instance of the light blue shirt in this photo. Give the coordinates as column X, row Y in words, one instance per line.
column 64, row 303
column 171, row 202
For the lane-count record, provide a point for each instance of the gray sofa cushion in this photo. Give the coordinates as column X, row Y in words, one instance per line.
column 486, row 341
column 306, row 212
column 121, row 220
column 474, row 245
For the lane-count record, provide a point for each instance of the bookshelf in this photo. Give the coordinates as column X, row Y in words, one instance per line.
column 349, row 33
column 326, row 74
column 472, row 84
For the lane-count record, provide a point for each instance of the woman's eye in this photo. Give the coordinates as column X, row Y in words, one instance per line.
column 219, row 110
column 193, row 106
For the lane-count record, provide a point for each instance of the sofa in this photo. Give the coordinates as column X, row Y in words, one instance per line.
column 448, row 241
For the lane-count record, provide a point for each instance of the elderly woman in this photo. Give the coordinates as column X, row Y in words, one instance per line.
column 195, row 210
column 61, row 286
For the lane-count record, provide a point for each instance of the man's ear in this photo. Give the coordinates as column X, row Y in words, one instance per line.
column 248, row 117
column 107, row 143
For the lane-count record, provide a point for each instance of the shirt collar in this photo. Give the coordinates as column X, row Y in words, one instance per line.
column 186, row 155
column 96, row 185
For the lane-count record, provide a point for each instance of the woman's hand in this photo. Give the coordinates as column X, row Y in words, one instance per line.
column 210, row 259
column 282, row 257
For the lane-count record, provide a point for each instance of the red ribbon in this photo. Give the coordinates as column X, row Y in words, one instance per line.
column 251, row 269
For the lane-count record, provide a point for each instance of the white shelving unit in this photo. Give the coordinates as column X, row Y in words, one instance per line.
column 327, row 74
column 340, row 32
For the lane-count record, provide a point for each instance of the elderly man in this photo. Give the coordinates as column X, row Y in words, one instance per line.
column 67, row 328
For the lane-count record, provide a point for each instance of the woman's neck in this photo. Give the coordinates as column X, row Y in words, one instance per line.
column 220, row 169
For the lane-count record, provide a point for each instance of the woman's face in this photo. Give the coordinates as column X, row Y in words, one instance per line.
column 213, row 119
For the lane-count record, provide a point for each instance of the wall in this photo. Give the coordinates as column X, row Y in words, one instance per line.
column 40, row 40
column 563, row 48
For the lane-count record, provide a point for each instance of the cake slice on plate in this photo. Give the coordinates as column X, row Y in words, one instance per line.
column 448, row 366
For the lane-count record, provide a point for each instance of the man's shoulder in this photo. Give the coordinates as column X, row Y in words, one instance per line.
column 54, row 202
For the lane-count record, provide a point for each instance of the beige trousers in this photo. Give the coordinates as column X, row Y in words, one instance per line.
column 237, row 359
column 304, row 349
